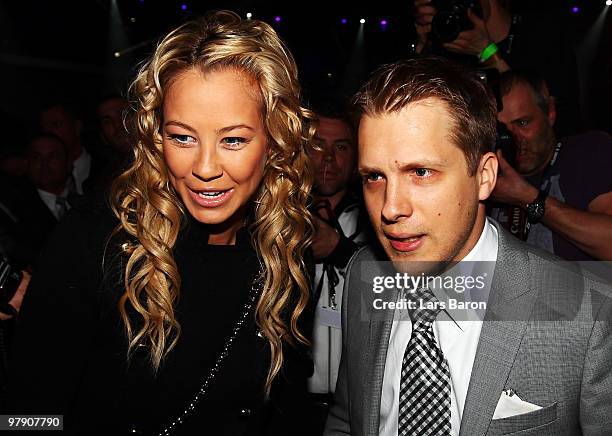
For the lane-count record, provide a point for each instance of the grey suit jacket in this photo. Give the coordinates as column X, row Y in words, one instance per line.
column 547, row 335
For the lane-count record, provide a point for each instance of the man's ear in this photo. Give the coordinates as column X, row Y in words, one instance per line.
column 487, row 175
column 552, row 111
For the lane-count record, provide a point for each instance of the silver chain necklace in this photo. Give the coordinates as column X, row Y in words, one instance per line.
column 193, row 404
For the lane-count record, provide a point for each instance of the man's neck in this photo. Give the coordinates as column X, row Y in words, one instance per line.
column 333, row 199
column 474, row 236
column 76, row 152
column 55, row 190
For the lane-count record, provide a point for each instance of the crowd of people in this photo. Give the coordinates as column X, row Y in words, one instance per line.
column 205, row 268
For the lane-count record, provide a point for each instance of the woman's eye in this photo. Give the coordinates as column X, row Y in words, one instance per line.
column 234, row 141
column 182, row 139
column 422, row 172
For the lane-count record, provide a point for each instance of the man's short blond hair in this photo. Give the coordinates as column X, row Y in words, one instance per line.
column 392, row 87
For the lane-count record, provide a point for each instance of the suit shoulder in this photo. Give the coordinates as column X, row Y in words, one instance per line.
column 581, row 290
column 366, row 253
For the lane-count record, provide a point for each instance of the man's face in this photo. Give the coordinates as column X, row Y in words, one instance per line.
column 48, row 165
column 110, row 115
column 420, row 197
column 58, row 121
column 531, row 129
column 335, row 164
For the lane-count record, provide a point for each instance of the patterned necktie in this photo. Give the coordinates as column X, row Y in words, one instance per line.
column 61, row 206
column 424, row 399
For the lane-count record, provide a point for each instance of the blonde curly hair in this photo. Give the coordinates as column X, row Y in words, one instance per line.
column 151, row 211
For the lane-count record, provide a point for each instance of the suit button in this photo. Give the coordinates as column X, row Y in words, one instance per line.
column 245, row 413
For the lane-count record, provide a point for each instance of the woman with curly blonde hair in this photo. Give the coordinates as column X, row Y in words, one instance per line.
column 195, row 324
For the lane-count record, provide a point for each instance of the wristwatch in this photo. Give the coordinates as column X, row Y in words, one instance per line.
column 535, row 210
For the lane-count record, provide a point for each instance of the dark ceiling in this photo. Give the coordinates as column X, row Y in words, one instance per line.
column 51, row 49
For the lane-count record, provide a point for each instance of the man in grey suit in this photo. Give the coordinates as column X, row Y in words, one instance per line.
column 538, row 361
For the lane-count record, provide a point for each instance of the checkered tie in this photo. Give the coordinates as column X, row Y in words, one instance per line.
column 424, row 399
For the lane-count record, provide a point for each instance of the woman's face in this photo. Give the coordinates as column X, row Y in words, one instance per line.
column 214, row 144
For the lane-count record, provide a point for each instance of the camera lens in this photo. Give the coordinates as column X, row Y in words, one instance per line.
column 446, row 26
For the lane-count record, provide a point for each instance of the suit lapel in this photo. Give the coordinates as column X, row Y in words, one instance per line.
column 510, row 303
column 379, row 330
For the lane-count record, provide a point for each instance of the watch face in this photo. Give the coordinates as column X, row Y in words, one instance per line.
column 535, row 211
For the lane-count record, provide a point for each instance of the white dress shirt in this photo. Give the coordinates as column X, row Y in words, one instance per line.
column 50, row 201
column 81, row 169
column 327, row 333
column 458, row 343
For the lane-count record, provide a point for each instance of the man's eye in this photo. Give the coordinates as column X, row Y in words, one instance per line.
column 523, row 123
column 181, row 139
column 234, row 141
column 422, row 172
column 370, row 178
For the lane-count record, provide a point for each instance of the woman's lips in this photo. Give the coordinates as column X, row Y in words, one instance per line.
column 211, row 198
column 407, row 244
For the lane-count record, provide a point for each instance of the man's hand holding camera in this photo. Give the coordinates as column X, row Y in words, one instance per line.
column 461, row 30
column 472, row 41
column 512, row 188
column 17, row 299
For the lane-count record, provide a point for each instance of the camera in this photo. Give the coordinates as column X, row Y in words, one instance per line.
column 10, row 278
column 503, row 138
column 451, row 18
column 505, row 143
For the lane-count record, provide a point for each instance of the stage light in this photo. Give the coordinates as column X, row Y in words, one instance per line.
column 183, row 7
column 133, row 20
column 249, row 15
column 575, row 9
column 277, row 19
column 344, row 21
column 117, row 54
column 608, row 2
column 329, row 74
column 362, row 21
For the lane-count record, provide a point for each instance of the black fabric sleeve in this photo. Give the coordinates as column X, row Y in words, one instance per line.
column 56, row 323
column 343, row 252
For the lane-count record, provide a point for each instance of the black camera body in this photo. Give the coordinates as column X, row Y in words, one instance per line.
column 451, row 18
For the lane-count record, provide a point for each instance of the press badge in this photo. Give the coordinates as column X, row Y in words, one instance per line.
column 329, row 317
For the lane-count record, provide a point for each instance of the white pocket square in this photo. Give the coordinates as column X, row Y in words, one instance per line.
column 510, row 404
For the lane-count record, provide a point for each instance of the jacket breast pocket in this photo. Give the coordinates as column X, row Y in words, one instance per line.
column 538, row 420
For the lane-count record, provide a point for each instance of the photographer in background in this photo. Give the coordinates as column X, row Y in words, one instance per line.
column 557, row 192
column 499, row 35
column 340, row 231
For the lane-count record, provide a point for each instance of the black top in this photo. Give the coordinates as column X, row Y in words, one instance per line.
column 70, row 351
